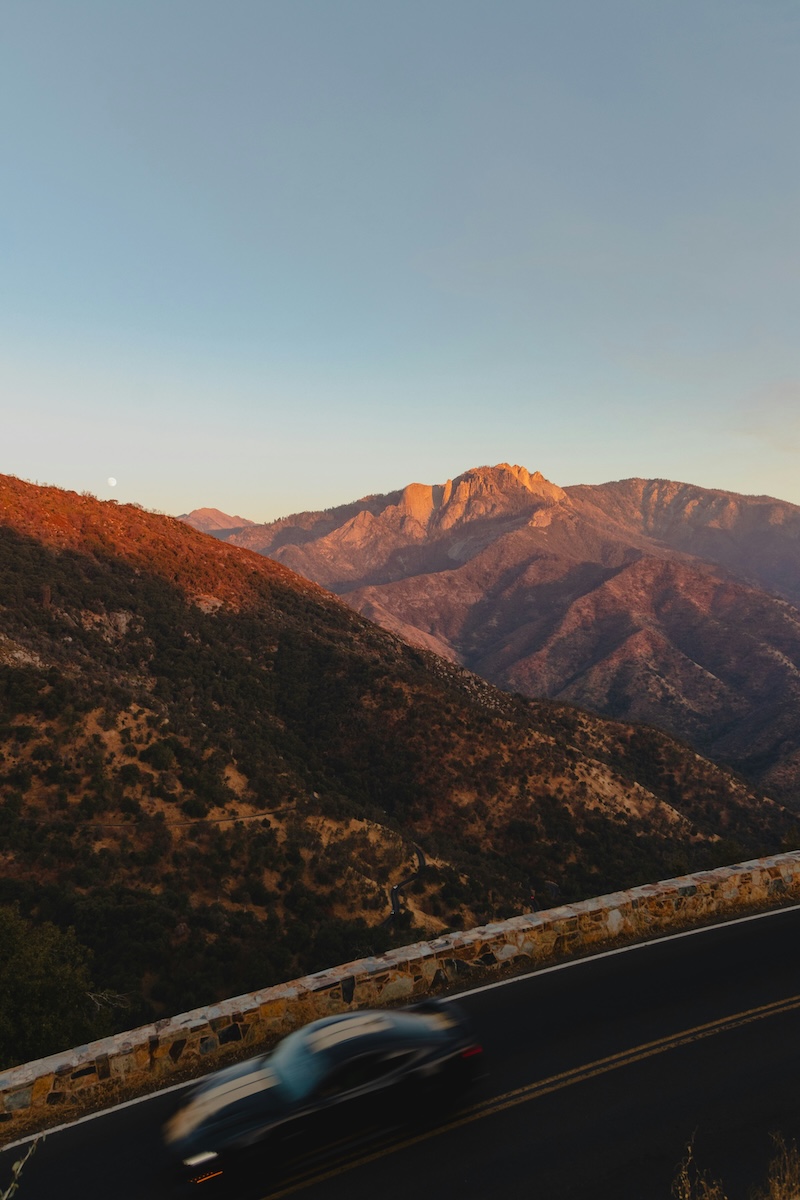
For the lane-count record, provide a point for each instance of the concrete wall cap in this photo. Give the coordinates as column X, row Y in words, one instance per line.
column 558, row 914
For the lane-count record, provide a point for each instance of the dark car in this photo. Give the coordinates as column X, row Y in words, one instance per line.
column 334, row 1082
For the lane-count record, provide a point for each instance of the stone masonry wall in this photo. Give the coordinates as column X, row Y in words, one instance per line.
column 64, row 1086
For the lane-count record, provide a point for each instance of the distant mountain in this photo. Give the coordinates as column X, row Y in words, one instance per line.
column 214, row 770
column 644, row 599
column 210, row 520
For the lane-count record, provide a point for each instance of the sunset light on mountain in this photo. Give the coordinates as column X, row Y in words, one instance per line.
column 399, row 599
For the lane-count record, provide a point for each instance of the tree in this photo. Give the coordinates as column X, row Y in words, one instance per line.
column 44, row 990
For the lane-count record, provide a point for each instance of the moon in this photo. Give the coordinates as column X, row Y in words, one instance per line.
column 112, row 481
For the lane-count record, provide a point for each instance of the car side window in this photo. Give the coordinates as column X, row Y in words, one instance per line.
column 360, row 1071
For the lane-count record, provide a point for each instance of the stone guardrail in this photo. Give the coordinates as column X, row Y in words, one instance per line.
column 64, row 1086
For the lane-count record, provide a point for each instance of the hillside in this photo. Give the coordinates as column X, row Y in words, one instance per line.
column 214, row 770
column 642, row 600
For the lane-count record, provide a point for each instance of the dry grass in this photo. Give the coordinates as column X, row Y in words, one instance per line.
column 783, row 1180
column 693, row 1184
column 783, row 1177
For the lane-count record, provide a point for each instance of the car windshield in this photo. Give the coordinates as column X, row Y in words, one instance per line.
column 302, row 1060
column 297, row 1066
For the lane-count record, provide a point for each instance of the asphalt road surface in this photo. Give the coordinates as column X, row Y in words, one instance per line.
column 598, row 1074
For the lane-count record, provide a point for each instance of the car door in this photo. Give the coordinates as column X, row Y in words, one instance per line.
column 354, row 1102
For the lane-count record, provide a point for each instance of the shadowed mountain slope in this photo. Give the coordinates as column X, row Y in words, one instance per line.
column 643, row 599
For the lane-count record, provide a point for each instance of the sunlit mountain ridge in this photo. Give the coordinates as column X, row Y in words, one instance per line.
column 644, row 600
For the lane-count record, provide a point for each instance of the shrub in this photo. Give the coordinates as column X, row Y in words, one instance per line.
column 44, row 986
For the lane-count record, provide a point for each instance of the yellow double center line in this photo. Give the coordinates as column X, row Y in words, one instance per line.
column 553, row 1083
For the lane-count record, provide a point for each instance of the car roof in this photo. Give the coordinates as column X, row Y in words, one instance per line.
column 340, row 1036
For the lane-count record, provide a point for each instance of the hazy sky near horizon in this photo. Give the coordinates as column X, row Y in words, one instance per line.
column 272, row 255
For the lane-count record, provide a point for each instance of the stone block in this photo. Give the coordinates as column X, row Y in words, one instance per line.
column 231, row 1033
column 272, row 1010
column 614, row 921
column 122, row 1065
column 507, row 952
column 428, row 969
column 397, row 989
column 177, row 1048
column 23, row 1098
column 42, row 1086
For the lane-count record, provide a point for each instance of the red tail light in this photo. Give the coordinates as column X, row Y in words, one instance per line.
column 471, row 1051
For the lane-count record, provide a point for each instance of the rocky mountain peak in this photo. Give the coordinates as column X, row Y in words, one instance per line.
column 486, row 492
column 421, row 500
column 479, row 494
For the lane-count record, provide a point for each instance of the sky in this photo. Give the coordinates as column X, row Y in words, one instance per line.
column 274, row 255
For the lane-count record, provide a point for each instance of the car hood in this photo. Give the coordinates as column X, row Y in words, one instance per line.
column 224, row 1109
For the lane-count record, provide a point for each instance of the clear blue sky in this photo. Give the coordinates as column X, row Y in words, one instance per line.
column 269, row 255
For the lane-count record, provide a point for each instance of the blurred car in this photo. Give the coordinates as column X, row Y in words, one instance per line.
column 335, row 1081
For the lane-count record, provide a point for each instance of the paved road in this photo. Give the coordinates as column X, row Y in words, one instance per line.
column 599, row 1075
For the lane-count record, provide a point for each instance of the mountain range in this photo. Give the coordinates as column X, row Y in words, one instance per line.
column 213, row 770
column 644, row 600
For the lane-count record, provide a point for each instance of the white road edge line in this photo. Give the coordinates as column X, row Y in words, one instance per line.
column 486, row 987
column 103, row 1112
column 577, row 962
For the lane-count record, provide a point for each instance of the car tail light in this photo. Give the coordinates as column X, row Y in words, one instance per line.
column 471, row 1051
